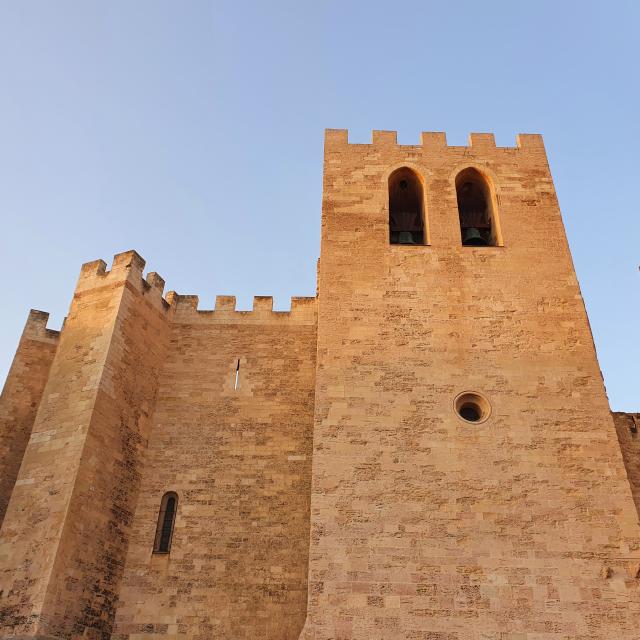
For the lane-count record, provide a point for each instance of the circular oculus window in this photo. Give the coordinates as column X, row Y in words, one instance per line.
column 472, row 407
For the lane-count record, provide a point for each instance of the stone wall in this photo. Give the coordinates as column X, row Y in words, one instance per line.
column 240, row 461
column 21, row 397
column 424, row 525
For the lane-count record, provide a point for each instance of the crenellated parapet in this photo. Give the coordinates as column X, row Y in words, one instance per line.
column 36, row 328
column 303, row 311
column 126, row 268
column 433, row 141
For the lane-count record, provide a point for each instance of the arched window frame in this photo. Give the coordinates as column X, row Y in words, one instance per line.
column 166, row 524
column 491, row 197
column 426, row 237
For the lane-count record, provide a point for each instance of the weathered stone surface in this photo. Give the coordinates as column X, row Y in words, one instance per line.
column 240, row 461
column 327, row 488
column 628, row 430
column 21, row 397
column 424, row 526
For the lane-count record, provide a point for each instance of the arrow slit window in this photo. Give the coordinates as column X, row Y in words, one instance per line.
column 166, row 521
column 406, row 208
column 478, row 222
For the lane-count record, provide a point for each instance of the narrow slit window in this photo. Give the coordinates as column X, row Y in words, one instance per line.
column 475, row 209
column 406, row 208
column 166, row 522
column 236, row 383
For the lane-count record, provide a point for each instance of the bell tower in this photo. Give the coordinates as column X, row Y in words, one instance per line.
column 467, row 482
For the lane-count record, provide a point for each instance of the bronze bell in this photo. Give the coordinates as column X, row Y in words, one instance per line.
column 472, row 238
column 405, row 237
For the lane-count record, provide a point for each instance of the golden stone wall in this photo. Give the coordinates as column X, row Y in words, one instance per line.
column 240, row 461
column 21, row 397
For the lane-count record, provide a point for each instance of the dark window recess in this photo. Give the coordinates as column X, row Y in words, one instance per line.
column 166, row 521
column 474, row 209
column 470, row 412
column 406, row 208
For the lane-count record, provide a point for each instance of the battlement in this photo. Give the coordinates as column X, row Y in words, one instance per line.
column 434, row 141
column 36, row 327
column 126, row 267
column 303, row 311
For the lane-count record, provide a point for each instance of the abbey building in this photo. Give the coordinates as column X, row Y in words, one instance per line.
column 423, row 451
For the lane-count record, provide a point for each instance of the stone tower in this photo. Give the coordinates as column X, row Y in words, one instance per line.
column 423, row 451
column 517, row 523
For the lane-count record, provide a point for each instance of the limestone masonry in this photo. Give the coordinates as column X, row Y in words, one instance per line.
column 423, row 451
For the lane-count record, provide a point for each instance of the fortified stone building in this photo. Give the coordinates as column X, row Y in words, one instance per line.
column 423, row 451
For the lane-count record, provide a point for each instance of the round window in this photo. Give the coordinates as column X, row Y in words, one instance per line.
column 472, row 407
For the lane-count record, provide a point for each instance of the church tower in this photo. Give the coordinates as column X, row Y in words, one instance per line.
column 467, row 481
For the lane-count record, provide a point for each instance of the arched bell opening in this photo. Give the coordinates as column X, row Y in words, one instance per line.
column 406, row 208
column 475, row 208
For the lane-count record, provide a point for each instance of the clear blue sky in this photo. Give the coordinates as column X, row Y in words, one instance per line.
column 192, row 132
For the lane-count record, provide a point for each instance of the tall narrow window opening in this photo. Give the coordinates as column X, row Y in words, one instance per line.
column 236, row 383
column 166, row 521
column 475, row 208
column 406, row 208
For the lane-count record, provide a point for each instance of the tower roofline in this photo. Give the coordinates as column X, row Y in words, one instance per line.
column 433, row 139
